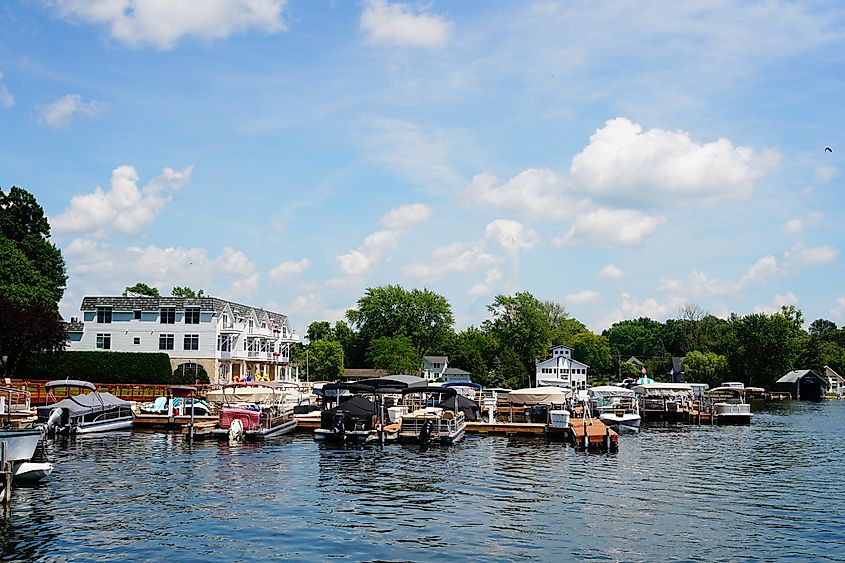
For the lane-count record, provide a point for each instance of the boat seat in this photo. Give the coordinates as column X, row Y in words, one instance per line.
column 448, row 415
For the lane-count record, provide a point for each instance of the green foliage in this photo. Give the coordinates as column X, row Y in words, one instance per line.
column 141, row 289
column 764, row 348
column 520, row 322
column 32, row 281
column 705, row 367
column 325, row 360
column 395, row 354
column 102, row 367
column 594, row 351
column 639, row 337
column 422, row 316
column 629, row 370
column 186, row 292
column 508, row 370
column 190, row 372
column 822, row 329
column 319, row 330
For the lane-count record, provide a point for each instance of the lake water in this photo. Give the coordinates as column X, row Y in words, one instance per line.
column 773, row 490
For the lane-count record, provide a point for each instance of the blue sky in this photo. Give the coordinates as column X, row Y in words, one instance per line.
column 620, row 158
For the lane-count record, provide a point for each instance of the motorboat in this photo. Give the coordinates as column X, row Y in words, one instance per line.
column 444, row 423
column 85, row 412
column 22, row 452
column 177, row 406
column 729, row 406
column 617, row 407
column 664, row 401
column 353, row 421
column 252, row 410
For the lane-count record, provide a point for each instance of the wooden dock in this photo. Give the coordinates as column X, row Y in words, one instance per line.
column 506, row 428
column 593, row 434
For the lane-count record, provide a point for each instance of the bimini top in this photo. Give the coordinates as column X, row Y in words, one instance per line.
column 455, row 403
column 391, row 383
column 462, row 384
column 539, row 396
column 603, row 391
column 356, row 406
column 70, row 383
column 664, row 389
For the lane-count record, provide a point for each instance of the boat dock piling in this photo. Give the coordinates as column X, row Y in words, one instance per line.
column 592, row 434
column 5, row 474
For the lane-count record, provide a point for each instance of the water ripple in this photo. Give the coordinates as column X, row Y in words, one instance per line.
column 769, row 491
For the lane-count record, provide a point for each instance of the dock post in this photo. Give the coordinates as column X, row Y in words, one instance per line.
column 6, row 468
column 586, row 436
column 607, row 438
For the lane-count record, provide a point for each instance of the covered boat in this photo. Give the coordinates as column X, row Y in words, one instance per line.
column 729, row 406
column 84, row 413
column 616, row 406
column 664, row 400
column 252, row 410
column 354, row 420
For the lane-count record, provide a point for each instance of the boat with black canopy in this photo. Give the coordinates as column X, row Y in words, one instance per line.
column 85, row 412
column 443, row 423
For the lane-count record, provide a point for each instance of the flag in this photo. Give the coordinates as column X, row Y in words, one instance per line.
column 643, row 370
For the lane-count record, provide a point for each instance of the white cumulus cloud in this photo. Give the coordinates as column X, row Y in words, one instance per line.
column 406, row 215
column 164, row 22
column 610, row 272
column 538, row 192
column 511, row 235
column 124, row 208
column 779, row 301
column 398, row 25
column 585, row 296
column 651, row 166
column 611, row 227
column 60, row 113
column 289, row 269
column 826, row 172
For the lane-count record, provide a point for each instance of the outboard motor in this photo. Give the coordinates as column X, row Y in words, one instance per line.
column 338, row 425
column 236, row 430
column 426, row 431
column 52, row 424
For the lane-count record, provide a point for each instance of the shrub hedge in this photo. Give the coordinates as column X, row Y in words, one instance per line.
column 103, row 367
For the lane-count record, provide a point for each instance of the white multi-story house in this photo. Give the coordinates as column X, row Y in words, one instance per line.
column 562, row 370
column 231, row 341
column 434, row 367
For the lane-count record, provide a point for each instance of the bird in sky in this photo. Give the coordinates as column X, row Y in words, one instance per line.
column 828, row 149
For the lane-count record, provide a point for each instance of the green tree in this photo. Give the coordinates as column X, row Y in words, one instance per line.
column 320, row 330
column 141, row 289
column 325, row 360
column 705, row 367
column 508, row 370
column 594, row 351
column 822, row 328
column 640, row 337
column 395, row 354
column 186, row 291
column 764, row 347
column 520, row 322
column 32, row 281
column 422, row 316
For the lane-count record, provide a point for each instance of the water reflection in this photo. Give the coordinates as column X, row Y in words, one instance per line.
column 765, row 491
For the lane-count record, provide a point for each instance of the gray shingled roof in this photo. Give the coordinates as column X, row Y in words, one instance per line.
column 75, row 326
column 213, row 304
column 436, row 359
column 455, row 371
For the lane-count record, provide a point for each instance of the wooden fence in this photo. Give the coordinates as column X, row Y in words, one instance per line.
column 142, row 393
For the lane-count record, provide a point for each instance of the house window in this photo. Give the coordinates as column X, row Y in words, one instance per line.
column 168, row 316
column 104, row 315
column 137, row 314
column 136, row 340
column 165, row 342
column 192, row 342
column 104, row 341
column 251, row 324
column 263, row 324
column 192, row 315
column 224, row 343
column 225, row 318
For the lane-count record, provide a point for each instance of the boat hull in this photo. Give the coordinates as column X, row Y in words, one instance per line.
column 261, row 433
column 624, row 423
column 348, row 437
column 31, row 472
column 727, row 413
column 104, row 426
column 21, row 444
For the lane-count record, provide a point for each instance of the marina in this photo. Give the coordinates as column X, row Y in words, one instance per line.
column 661, row 497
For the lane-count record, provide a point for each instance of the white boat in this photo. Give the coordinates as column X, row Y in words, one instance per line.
column 31, row 471
column 83, row 413
column 432, row 425
column 617, row 407
column 21, row 448
column 729, row 406
column 258, row 408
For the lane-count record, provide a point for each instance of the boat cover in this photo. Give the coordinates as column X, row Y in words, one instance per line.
column 664, row 390
column 70, row 383
column 391, row 382
column 539, row 396
column 354, row 409
column 245, row 394
column 606, row 391
column 81, row 404
column 470, row 408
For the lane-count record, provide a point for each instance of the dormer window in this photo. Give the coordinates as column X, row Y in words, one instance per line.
column 104, row 315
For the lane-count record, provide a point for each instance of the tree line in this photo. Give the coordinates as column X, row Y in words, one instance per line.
column 392, row 328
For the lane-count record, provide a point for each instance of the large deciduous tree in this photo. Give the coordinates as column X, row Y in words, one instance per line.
column 395, row 354
column 32, row 281
column 521, row 322
column 705, row 367
column 424, row 317
column 593, row 350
